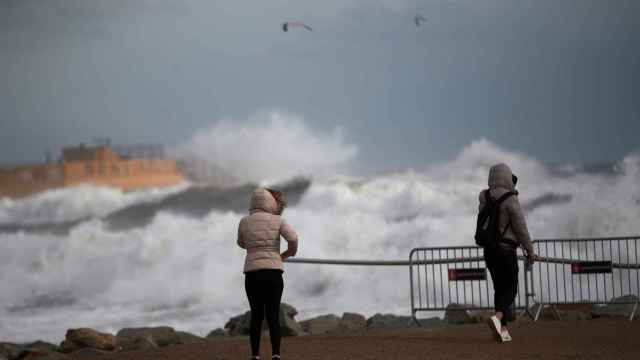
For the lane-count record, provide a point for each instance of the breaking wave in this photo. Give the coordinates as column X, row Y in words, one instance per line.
column 181, row 267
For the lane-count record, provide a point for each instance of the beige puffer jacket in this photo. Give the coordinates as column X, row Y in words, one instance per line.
column 259, row 233
column 501, row 182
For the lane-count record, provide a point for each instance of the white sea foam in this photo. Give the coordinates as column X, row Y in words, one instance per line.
column 270, row 146
column 186, row 272
column 76, row 203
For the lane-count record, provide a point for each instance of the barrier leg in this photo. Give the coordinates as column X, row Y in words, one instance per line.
column 538, row 311
column 633, row 312
column 529, row 294
column 413, row 316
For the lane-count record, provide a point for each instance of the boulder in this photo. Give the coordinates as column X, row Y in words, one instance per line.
column 88, row 353
column 42, row 345
column 10, row 351
column 217, row 334
column 320, row 324
column 34, row 354
column 239, row 325
column 350, row 323
column 187, row 338
column 67, row 346
column 389, row 321
column 480, row 316
column 140, row 343
column 88, row 338
column 158, row 336
column 547, row 312
column 457, row 314
column 431, row 322
column 288, row 325
column 619, row 307
column 575, row 315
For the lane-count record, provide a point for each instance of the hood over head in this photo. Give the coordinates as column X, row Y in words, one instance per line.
column 501, row 176
column 261, row 199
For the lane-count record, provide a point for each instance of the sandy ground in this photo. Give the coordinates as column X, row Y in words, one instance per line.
column 600, row 339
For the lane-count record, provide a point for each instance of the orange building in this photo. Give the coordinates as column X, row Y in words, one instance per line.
column 98, row 165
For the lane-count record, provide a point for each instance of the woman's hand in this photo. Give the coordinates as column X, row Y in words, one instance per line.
column 532, row 258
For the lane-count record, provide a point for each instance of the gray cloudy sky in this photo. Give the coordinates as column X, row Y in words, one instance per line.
column 556, row 79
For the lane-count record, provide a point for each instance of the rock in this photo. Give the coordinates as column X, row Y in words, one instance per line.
column 457, row 314
column 239, row 325
column 89, row 352
column 89, row 338
column 2, row 357
column 288, row 325
column 548, row 312
column 140, row 343
column 617, row 307
column 431, row 322
column 350, row 323
column 480, row 316
column 10, row 351
column 320, row 324
column 42, row 345
column 34, row 354
column 575, row 315
column 159, row 336
column 187, row 338
column 389, row 321
column 217, row 334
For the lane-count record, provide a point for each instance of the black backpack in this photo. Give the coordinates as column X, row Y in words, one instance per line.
column 487, row 227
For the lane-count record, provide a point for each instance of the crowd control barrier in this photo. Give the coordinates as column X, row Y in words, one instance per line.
column 442, row 276
column 595, row 271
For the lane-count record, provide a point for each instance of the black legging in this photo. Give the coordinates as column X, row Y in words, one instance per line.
column 264, row 290
column 503, row 266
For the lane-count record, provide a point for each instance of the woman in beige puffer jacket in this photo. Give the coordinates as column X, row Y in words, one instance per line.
column 259, row 233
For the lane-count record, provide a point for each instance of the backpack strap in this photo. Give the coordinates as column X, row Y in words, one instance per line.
column 502, row 198
column 505, row 196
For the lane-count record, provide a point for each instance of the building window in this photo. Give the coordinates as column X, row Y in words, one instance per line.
column 88, row 169
column 101, row 169
column 115, row 169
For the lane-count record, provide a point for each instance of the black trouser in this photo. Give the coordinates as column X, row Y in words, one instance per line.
column 502, row 262
column 264, row 290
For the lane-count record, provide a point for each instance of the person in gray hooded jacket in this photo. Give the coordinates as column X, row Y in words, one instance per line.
column 501, row 257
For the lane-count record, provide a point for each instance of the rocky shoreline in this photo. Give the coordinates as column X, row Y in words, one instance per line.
column 88, row 343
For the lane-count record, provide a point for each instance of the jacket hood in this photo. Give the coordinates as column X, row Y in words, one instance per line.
column 261, row 199
column 501, row 176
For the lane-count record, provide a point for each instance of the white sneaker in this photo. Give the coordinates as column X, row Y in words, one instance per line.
column 506, row 337
column 495, row 327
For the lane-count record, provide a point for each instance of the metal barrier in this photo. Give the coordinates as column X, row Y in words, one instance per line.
column 569, row 272
column 441, row 276
column 591, row 271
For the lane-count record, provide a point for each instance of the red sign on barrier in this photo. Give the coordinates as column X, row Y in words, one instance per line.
column 467, row 274
column 591, row 267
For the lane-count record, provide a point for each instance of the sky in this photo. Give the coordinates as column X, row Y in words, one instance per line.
column 558, row 80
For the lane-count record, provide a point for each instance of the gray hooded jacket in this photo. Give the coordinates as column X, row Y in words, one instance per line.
column 501, row 182
column 259, row 233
